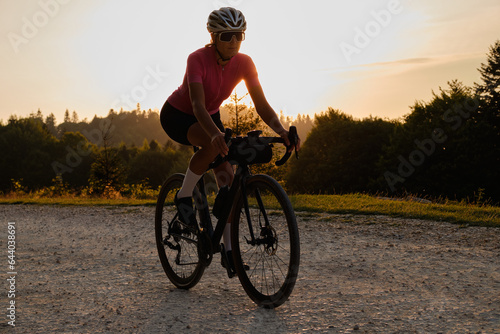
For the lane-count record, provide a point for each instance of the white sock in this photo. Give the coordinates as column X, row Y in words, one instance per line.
column 188, row 184
column 226, row 237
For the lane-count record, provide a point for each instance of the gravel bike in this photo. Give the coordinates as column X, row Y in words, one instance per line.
column 264, row 234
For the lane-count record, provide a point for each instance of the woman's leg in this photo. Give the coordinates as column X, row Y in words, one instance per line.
column 197, row 166
column 206, row 154
column 224, row 174
column 199, row 162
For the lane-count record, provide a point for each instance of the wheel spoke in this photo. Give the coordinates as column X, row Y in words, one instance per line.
column 179, row 256
column 273, row 265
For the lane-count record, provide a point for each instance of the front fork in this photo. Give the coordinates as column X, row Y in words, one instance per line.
column 264, row 237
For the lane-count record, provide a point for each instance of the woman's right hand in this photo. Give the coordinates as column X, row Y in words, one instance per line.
column 284, row 134
column 219, row 144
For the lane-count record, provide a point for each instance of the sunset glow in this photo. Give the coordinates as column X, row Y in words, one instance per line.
column 364, row 57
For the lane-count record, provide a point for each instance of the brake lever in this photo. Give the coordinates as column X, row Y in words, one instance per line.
column 227, row 135
column 293, row 137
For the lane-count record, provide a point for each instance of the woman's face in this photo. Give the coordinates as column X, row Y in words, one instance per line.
column 227, row 49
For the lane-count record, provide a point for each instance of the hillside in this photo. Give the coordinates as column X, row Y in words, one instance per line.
column 134, row 127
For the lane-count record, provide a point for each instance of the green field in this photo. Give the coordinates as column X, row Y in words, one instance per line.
column 356, row 204
column 453, row 212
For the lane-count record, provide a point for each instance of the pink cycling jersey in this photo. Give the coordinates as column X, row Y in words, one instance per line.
column 218, row 81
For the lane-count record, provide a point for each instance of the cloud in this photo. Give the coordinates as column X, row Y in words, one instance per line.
column 387, row 89
column 410, row 63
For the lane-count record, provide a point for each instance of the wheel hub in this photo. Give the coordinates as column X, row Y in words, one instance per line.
column 269, row 239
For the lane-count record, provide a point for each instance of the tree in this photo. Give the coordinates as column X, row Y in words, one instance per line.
column 340, row 154
column 76, row 155
column 74, row 118
column 489, row 89
column 107, row 172
column 50, row 122
column 153, row 166
column 28, row 150
column 67, row 119
column 242, row 118
column 487, row 120
column 236, row 100
column 441, row 149
column 154, row 146
column 38, row 116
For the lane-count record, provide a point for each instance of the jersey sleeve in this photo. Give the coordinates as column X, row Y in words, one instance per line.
column 194, row 69
column 250, row 76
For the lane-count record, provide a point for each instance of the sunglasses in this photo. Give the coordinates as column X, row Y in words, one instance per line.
column 227, row 36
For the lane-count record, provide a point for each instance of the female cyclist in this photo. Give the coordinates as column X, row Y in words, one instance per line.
column 191, row 115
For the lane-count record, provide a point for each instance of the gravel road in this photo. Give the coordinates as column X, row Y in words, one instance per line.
column 95, row 270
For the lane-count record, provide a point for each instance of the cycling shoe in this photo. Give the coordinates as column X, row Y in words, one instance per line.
column 186, row 212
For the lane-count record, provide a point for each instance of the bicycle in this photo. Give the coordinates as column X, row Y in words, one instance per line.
column 264, row 234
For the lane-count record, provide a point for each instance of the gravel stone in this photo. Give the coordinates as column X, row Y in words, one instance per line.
column 96, row 270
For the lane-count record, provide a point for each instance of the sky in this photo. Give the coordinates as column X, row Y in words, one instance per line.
column 364, row 57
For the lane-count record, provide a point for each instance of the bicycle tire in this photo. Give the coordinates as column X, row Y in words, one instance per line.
column 274, row 264
column 178, row 248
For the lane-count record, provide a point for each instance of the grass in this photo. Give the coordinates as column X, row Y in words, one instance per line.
column 76, row 201
column 356, row 204
column 452, row 212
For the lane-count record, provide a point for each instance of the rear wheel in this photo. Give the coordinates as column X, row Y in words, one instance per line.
column 273, row 254
column 178, row 246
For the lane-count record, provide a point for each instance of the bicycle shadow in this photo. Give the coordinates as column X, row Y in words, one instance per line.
column 211, row 308
column 261, row 320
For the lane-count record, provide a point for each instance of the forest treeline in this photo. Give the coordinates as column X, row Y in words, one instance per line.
column 447, row 147
column 111, row 153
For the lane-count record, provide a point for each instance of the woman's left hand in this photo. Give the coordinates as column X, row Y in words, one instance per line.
column 284, row 134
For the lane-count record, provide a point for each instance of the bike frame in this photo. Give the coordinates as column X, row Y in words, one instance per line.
column 247, row 193
column 240, row 176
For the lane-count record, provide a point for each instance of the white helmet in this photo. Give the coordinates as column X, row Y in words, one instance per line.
column 226, row 18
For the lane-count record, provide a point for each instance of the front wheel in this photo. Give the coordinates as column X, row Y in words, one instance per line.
column 178, row 246
column 265, row 237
